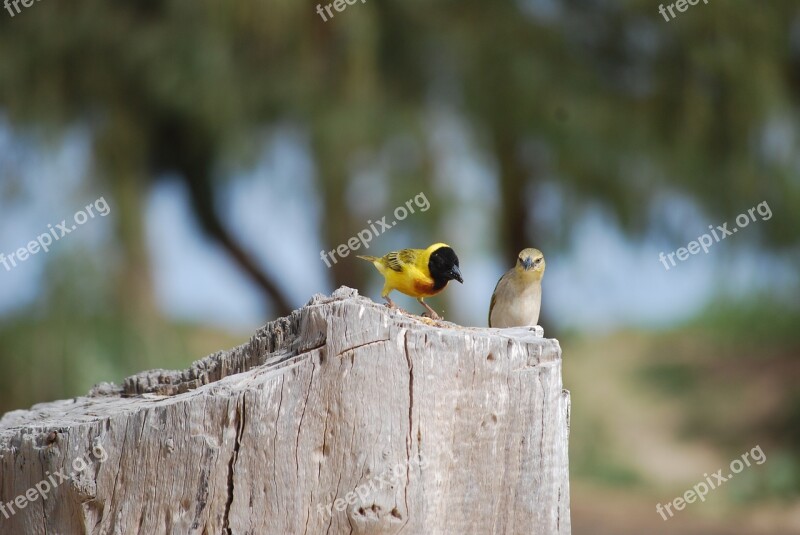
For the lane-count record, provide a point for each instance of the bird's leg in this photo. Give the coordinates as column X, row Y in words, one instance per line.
column 431, row 312
column 391, row 305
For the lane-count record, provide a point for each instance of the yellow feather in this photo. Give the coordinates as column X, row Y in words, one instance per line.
column 407, row 271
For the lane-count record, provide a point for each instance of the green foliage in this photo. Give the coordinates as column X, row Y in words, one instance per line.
column 592, row 458
column 621, row 104
column 778, row 476
column 669, row 378
column 733, row 372
column 755, row 321
column 77, row 335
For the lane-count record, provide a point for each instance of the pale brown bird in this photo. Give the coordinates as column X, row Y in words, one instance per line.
column 517, row 298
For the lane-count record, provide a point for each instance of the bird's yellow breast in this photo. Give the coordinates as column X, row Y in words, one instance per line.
column 411, row 281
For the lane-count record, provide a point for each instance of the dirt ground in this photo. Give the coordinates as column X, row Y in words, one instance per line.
column 625, row 455
column 598, row 511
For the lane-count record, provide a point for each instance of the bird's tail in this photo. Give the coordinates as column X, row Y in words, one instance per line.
column 368, row 258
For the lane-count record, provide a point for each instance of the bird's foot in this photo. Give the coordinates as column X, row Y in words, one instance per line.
column 431, row 313
column 392, row 306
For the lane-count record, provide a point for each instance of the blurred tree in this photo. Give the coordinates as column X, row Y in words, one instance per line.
column 609, row 100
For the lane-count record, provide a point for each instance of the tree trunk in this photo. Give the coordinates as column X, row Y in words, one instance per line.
column 344, row 417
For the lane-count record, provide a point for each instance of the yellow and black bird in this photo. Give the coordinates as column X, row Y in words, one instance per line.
column 419, row 273
column 517, row 298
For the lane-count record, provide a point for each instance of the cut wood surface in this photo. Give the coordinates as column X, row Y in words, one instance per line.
column 344, row 417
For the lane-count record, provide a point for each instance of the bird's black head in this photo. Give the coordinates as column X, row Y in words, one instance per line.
column 443, row 266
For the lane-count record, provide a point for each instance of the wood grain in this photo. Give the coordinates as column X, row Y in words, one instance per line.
column 344, row 417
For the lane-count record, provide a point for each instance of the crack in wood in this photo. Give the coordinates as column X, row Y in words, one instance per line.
column 365, row 344
column 241, row 409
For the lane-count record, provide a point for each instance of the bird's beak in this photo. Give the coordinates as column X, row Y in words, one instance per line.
column 455, row 273
column 527, row 263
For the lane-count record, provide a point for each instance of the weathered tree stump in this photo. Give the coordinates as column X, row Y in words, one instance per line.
column 344, row 417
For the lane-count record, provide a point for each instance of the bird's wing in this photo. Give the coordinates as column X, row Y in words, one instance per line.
column 491, row 306
column 494, row 294
column 493, row 301
column 397, row 260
